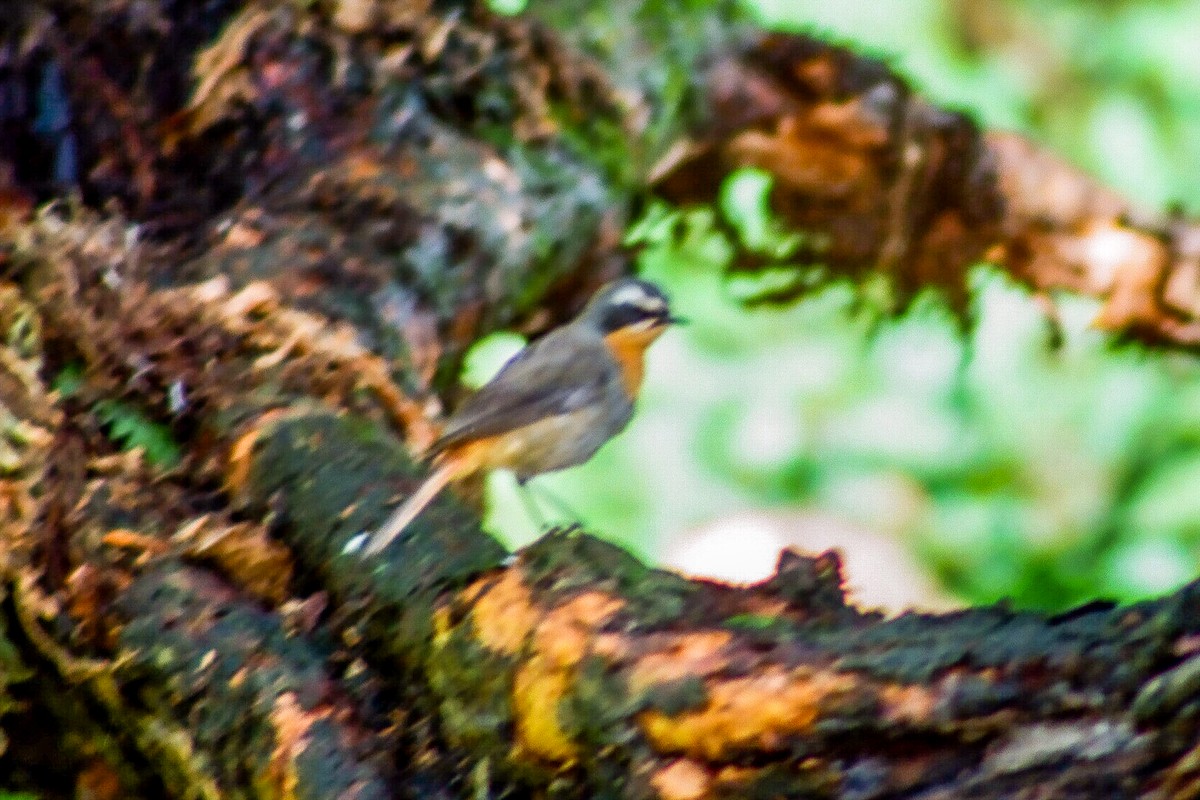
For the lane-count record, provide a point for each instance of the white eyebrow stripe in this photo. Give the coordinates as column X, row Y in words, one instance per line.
column 635, row 295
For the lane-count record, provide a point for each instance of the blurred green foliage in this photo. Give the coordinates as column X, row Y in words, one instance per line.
column 507, row 6
column 1011, row 467
column 1110, row 84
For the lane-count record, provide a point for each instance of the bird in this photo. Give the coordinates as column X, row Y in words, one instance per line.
column 553, row 404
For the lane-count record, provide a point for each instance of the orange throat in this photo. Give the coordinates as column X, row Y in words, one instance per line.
column 628, row 346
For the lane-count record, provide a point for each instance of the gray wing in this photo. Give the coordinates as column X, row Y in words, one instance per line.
column 559, row 373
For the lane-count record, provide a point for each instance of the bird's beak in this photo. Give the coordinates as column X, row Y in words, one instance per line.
column 671, row 319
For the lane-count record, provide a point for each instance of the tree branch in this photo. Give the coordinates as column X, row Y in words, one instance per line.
column 880, row 179
column 309, row 212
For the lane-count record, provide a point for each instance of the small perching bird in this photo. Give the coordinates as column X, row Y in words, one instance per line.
column 554, row 404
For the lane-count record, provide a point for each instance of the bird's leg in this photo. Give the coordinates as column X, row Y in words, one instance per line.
column 531, row 507
column 564, row 510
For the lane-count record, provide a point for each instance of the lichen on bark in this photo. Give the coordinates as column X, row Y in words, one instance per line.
column 272, row 238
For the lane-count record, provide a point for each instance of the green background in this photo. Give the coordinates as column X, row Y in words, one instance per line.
column 1003, row 466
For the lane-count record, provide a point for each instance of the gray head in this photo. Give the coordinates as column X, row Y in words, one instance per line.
column 629, row 303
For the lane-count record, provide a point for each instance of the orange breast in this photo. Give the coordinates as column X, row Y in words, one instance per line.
column 628, row 346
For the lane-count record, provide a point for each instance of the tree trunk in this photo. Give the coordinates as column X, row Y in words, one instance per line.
column 243, row 248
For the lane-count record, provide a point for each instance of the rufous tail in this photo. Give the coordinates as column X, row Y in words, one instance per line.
column 413, row 506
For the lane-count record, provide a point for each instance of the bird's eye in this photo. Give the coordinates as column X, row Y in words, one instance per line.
column 623, row 316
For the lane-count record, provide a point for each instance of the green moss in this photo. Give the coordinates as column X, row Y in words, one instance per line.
column 755, row 622
column 474, row 687
column 222, row 675
column 339, row 476
column 651, row 51
column 676, row 697
column 565, row 561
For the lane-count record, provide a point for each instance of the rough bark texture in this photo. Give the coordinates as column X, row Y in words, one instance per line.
column 242, row 249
